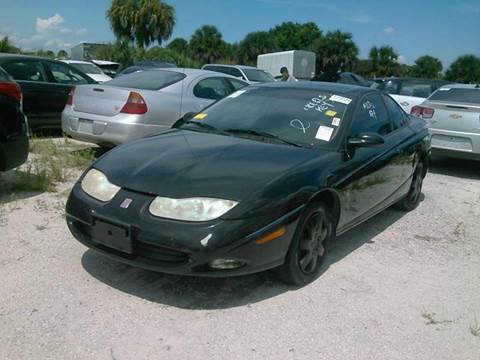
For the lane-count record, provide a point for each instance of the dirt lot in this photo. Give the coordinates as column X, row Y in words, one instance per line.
column 401, row 286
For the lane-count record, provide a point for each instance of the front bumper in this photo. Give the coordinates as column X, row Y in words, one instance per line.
column 175, row 247
column 99, row 130
column 455, row 143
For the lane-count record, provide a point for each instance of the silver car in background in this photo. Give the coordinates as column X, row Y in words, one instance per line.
column 453, row 115
column 250, row 74
column 140, row 104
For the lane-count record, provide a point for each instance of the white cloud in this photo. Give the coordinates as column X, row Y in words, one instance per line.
column 389, row 30
column 401, row 59
column 362, row 17
column 50, row 23
column 81, row 32
column 51, row 33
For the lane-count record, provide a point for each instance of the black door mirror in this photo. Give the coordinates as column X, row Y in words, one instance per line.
column 366, row 140
column 184, row 119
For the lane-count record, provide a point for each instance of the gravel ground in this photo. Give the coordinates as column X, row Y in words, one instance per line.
column 401, row 286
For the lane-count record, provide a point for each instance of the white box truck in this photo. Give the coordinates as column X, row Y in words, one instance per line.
column 300, row 63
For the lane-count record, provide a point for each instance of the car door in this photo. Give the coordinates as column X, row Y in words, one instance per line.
column 62, row 78
column 204, row 91
column 33, row 79
column 369, row 180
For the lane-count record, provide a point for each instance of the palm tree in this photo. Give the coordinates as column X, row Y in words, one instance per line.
column 141, row 21
column 384, row 60
column 207, row 44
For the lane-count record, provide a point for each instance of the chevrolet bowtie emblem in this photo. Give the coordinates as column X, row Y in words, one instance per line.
column 126, row 203
column 456, row 116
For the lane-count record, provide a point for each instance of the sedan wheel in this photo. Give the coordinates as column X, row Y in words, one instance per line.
column 307, row 250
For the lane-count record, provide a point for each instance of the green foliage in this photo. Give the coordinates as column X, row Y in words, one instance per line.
column 466, row 69
column 62, row 54
column 121, row 52
column 45, row 53
column 254, row 44
column 384, row 61
column 295, row 36
column 141, row 21
column 179, row 45
column 427, row 67
column 207, row 45
column 336, row 52
column 6, row 46
column 171, row 56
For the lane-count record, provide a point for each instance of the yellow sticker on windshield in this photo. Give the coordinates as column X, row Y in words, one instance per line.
column 200, row 116
column 330, row 113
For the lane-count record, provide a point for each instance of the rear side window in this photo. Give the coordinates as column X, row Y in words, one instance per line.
column 397, row 116
column 471, row 95
column 371, row 116
column 237, row 84
column 4, row 76
column 65, row 74
column 147, row 80
column 26, row 70
column 416, row 88
column 211, row 88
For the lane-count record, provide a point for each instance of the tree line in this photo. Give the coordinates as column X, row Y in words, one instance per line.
column 141, row 28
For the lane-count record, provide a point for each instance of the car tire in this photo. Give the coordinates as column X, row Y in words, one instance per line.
column 307, row 250
column 412, row 199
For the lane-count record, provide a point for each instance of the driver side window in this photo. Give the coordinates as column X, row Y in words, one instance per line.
column 64, row 74
column 371, row 116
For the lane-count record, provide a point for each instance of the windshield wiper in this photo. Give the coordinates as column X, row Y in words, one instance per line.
column 206, row 127
column 261, row 134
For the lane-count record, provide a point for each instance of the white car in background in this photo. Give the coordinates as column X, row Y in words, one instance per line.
column 90, row 69
column 408, row 92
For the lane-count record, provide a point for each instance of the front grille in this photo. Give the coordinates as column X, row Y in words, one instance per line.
column 160, row 253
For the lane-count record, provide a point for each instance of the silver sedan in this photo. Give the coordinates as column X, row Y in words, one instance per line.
column 453, row 114
column 141, row 104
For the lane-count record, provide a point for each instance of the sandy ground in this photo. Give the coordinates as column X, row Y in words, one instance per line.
column 401, row 286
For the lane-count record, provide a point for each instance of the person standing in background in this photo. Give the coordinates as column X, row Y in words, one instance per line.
column 286, row 76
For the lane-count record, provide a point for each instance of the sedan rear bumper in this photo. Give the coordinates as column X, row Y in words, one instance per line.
column 95, row 130
column 455, row 143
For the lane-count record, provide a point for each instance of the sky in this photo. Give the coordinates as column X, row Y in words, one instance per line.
column 441, row 28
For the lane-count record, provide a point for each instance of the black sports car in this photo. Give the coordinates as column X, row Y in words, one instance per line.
column 256, row 181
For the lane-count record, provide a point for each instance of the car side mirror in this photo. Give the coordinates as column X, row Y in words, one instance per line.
column 184, row 119
column 366, row 140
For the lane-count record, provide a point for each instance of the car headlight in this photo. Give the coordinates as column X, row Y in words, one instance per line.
column 96, row 184
column 191, row 209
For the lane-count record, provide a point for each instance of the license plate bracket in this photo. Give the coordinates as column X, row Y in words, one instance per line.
column 113, row 236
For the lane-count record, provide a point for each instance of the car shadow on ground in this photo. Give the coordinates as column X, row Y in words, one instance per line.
column 219, row 293
column 467, row 169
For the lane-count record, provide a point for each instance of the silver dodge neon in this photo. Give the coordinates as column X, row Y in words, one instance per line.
column 140, row 104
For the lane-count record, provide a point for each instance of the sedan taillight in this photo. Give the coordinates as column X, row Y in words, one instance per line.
column 422, row 111
column 135, row 104
column 12, row 90
column 70, row 97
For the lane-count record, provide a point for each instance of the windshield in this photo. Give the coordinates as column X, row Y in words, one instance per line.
column 302, row 117
column 463, row 95
column 87, row 68
column 258, row 75
column 147, row 80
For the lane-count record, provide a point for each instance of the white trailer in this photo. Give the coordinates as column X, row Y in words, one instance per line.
column 300, row 63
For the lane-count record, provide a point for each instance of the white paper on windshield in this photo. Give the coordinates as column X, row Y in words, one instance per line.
column 336, row 121
column 324, row 133
column 237, row 93
column 340, row 99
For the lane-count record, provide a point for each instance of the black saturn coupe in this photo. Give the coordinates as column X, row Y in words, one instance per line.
column 258, row 180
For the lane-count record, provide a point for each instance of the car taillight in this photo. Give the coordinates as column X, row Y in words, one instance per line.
column 12, row 90
column 70, row 96
column 422, row 111
column 135, row 104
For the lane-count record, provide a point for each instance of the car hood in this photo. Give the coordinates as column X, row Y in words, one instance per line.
column 182, row 163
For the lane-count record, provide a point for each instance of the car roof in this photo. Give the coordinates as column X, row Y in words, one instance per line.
column 190, row 72
column 461, row 86
column 233, row 66
column 21, row 56
column 337, row 88
column 76, row 62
